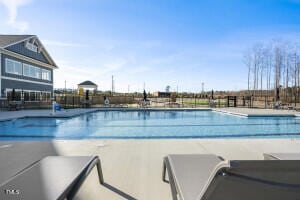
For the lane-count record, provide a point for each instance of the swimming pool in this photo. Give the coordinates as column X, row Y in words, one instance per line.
column 150, row 124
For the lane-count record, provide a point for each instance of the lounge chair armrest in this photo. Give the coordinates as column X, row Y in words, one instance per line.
column 164, row 170
column 95, row 161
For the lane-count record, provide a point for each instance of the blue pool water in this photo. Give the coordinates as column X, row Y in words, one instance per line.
column 150, row 124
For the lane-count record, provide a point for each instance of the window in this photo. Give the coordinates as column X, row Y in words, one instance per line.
column 26, row 70
column 37, row 96
column 26, row 96
column 13, row 67
column 45, row 96
column 31, row 71
column 9, row 66
column 46, row 74
column 38, row 72
column 35, row 72
column 16, row 97
column 32, row 96
column 31, row 47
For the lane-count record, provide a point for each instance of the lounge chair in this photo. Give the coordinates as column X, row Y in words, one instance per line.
column 282, row 156
column 209, row 177
column 277, row 105
column 53, row 177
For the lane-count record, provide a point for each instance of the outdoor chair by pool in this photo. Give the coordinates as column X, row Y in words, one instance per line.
column 209, row 177
column 282, row 156
column 53, row 177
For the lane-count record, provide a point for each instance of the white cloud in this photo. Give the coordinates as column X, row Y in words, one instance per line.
column 12, row 7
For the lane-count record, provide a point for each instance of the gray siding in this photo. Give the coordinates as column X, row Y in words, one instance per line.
column 20, row 76
column 21, row 49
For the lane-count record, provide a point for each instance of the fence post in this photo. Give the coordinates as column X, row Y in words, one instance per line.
column 227, row 101
column 235, row 101
column 296, row 97
column 265, row 102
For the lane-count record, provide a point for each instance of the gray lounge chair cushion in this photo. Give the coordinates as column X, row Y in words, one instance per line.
column 206, row 177
column 47, row 179
column 259, row 180
column 192, row 172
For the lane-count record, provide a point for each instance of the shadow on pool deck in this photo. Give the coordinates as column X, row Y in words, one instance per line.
column 119, row 192
column 15, row 156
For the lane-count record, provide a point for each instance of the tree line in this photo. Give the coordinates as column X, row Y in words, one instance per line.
column 273, row 67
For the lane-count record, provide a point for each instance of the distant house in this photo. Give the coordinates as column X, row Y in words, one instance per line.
column 25, row 67
column 162, row 94
column 87, row 85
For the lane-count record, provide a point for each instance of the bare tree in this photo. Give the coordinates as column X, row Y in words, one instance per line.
column 278, row 59
column 248, row 62
column 168, row 88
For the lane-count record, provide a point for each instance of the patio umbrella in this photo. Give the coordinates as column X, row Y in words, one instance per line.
column 277, row 94
column 145, row 95
column 212, row 94
column 87, row 95
column 13, row 95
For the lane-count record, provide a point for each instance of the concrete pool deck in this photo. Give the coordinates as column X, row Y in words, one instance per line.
column 132, row 168
column 256, row 112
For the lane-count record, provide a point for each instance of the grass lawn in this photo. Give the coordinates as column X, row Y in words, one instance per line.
column 203, row 103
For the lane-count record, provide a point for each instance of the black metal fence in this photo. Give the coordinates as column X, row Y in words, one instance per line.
column 93, row 101
column 76, row 101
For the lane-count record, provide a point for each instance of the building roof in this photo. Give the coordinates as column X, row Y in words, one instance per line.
column 87, row 83
column 6, row 40
column 9, row 40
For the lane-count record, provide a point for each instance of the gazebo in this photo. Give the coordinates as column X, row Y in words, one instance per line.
column 87, row 85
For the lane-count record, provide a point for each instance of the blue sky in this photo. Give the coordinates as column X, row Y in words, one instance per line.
column 156, row 42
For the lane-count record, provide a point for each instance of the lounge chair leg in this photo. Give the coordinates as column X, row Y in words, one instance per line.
column 100, row 174
column 166, row 167
column 95, row 161
column 164, row 172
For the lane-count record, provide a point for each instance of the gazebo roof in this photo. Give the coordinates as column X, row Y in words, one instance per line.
column 88, row 83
